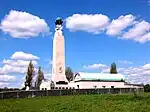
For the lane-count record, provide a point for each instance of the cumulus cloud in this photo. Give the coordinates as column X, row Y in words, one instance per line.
column 94, row 23
column 137, row 31
column 105, row 70
column 47, row 76
column 136, row 75
column 23, row 56
column 8, row 69
column 94, row 66
column 125, row 62
column 18, row 63
column 18, row 66
column 144, row 38
column 7, row 78
column 117, row 25
column 125, row 27
column 139, row 74
column 147, row 66
column 4, row 84
column 21, row 24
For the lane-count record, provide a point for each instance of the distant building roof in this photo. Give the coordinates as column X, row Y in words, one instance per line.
column 98, row 76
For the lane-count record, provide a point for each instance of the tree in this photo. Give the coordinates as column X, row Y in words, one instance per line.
column 147, row 88
column 29, row 75
column 40, row 77
column 113, row 69
column 69, row 74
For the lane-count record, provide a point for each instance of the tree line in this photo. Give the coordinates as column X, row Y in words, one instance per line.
column 69, row 75
column 39, row 77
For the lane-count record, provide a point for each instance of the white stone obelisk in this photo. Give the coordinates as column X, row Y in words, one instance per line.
column 58, row 67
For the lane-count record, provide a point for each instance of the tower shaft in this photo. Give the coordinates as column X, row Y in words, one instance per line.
column 58, row 54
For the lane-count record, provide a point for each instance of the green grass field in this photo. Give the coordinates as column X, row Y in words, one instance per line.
column 81, row 103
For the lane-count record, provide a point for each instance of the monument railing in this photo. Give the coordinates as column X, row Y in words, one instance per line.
column 62, row 92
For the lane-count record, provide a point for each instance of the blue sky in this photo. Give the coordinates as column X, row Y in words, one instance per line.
column 97, row 33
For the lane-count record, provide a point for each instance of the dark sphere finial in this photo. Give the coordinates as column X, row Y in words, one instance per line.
column 58, row 21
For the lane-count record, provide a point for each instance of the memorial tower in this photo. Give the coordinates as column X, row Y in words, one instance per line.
column 58, row 67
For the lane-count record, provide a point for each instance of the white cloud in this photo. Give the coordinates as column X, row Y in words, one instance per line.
column 7, row 78
column 146, row 72
column 11, row 68
column 94, row 66
column 12, row 81
column 119, row 24
column 23, row 56
column 125, row 62
column 138, row 75
column 125, row 27
column 18, row 63
column 94, row 23
column 19, row 66
column 105, row 70
column 21, row 24
column 139, row 78
column 4, row 84
column 8, row 69
column 19, row 83
column 139, row 33
column 144, row 38
column 47, row 76
column 147, row 66
column 138, row 30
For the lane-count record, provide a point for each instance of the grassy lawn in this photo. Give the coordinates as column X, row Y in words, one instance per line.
column 81, row 103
